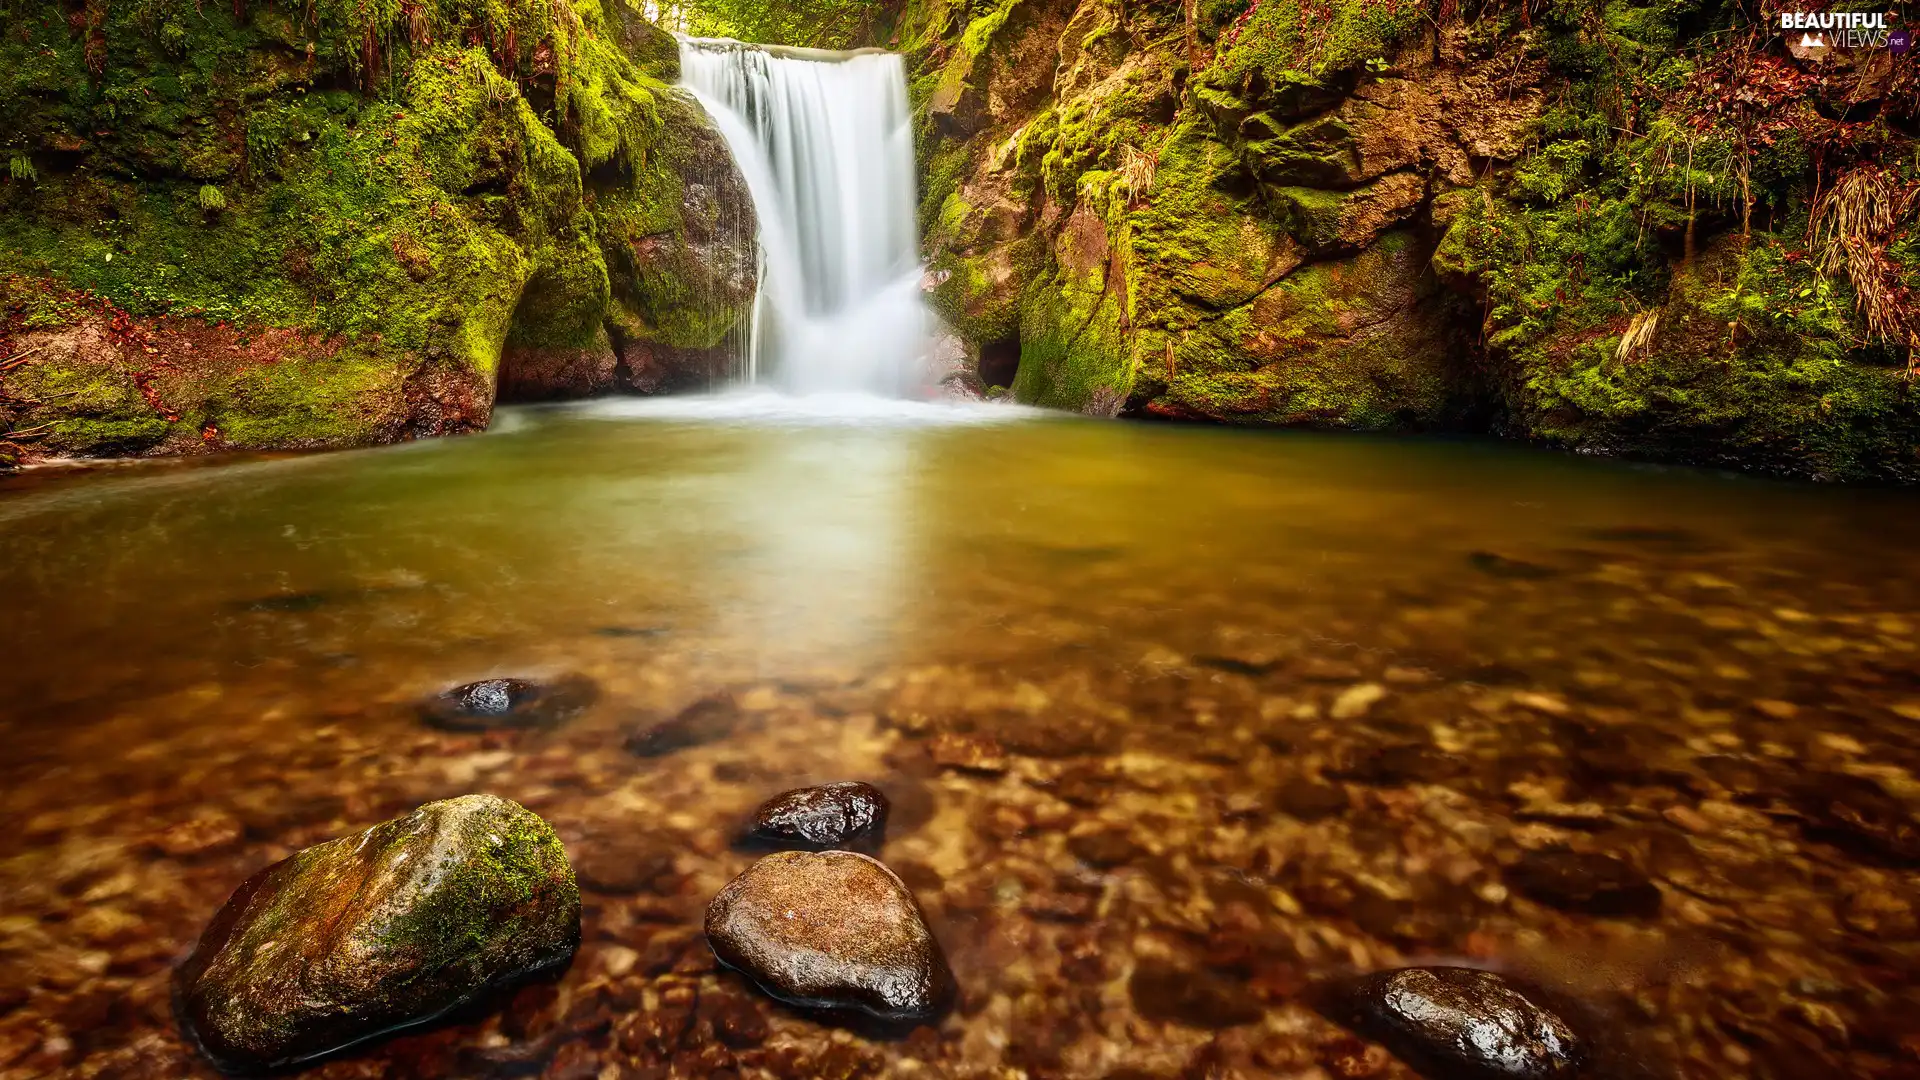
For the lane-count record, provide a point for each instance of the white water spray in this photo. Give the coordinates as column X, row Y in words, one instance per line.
column 826, row 146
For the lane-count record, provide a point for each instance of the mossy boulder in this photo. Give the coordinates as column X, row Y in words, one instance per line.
column 395, row 207
column 354, row 938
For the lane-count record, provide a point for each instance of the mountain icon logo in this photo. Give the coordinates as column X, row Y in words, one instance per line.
column 1812, row 41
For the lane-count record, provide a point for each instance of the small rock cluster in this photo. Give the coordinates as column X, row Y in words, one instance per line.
column 398, row 925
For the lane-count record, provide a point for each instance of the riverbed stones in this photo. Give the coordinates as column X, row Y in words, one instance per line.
column 831, row 929
column 387, row 928
column 1587, row 882
column 506, row 703
column 1454, row 1023
column 847, row 814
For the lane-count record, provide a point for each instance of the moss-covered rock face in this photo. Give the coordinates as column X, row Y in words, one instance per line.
column 1407, row 215
column 353, row 938
column 326, row 224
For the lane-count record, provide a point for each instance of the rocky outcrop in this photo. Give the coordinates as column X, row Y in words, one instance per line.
column 349, row 233
column 351, row 939
column 831, row 929
column 1417, row 217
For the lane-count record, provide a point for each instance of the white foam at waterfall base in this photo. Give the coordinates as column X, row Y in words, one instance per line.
column 825, row 144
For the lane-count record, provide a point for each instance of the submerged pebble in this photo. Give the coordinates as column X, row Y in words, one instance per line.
column 710, row 719
column 831, row 929
column 1454, row 1023
column 826, row 816
column 1585, row 882
column 356, row 937
column 1166, row 991
column 494, row 704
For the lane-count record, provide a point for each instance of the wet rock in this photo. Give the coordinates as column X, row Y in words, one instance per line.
column 1311, row 801
column 831, row 929
column 351, row 939
column 494, row 704
column 1579, row 881
column 827, row 816
column 1462, row 1024
column 710, row 719
column 1166, row 991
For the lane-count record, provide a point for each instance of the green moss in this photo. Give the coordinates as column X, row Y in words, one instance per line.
column 1288, row 42
column 213, row 169
column 1073, row 350
column 508, row 859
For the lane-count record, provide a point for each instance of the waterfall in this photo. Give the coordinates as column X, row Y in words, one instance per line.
column 825, row 143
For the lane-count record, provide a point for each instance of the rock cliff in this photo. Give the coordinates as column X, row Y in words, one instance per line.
column 335, row 224
column 1608, row 227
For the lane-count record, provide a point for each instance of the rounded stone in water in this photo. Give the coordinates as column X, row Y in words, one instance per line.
column 831, row 929
column 509, row 703
column 395, row 926
column 1455, row 1023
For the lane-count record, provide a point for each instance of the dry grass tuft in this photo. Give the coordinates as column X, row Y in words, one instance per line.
column 1852, row 224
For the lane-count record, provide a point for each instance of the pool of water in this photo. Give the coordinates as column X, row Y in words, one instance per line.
column 1176, row 723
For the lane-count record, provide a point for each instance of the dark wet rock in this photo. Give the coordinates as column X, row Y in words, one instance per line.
column 710, row 719
column 827, row 816
column 1104, row 848
column 1197, row 997
column 831, row 929
column 493, row 704
column 1585, row 882
column 353, row 938
column 1855, row 814
column 1501, row 566
column 1311, row 801
column 1462, row 1024
column 1406, row 763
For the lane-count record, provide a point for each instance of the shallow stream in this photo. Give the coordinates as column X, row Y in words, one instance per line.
column 1175, row 722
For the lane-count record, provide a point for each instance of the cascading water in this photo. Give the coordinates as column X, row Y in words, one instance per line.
column 826, row 146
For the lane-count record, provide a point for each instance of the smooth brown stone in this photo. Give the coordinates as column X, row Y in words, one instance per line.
column 831, row 929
